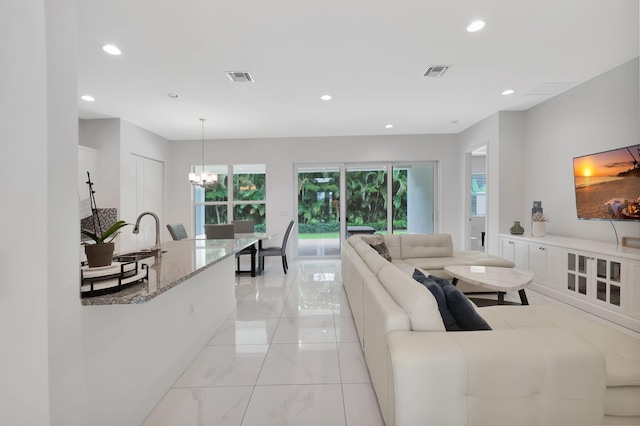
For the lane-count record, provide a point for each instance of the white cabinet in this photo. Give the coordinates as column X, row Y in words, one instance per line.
column 632, row 290
column 545, row 261
column 513, row 250
column 597, row 278
column 578, row 270
column 600, row 278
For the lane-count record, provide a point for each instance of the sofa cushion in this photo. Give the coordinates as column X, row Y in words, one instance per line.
column 424, row 245
column 417, row 302
column 393, row 244
column 462, row 309
column 377, row 243
column 447, row 317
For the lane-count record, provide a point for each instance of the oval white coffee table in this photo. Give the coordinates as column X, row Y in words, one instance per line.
column 494, row 278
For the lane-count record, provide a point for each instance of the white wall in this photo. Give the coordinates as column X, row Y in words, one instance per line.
column 24, row 393
column 599, row 115
column 512, row 180
column 280, row 155
column 104, row 136
column 116, row 141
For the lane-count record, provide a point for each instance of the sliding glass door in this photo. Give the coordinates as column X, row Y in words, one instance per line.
column 378, row 198
column 366, row 199
column 318, row 211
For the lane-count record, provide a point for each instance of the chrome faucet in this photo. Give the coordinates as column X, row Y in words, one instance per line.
column 136, row 230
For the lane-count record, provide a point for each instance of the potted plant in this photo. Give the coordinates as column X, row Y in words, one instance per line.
column 101, row 253
column 539, row 225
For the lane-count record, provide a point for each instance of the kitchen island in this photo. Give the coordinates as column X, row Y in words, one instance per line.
column 179, row 261
column 137, row 342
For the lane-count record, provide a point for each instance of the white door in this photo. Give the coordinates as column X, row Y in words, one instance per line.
column 143, row 191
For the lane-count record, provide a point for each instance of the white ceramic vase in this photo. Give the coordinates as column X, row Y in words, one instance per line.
column 538, row 229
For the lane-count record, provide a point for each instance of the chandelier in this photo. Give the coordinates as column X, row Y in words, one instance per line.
column 203, row 178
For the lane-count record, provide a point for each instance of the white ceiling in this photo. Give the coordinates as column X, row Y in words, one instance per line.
column 368, row 54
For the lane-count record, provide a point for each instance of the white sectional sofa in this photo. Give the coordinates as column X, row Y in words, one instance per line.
column 539, row 365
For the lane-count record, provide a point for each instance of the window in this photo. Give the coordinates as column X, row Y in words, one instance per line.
column 244, row 199
column 478, row 194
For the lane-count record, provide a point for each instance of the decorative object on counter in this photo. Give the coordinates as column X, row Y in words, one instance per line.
column 537, row 207
column 106, row 217
column 100, row 253
column 516, row 229
column 116, row 276
column 202, row 178
column 539, row 224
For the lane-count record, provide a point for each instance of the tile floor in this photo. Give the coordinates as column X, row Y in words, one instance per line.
column 289, row 355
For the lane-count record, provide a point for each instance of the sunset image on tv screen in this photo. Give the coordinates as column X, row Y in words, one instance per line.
column 607, row 184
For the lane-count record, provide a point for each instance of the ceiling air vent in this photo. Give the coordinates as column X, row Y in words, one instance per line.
column 240, row 77
column 436, row 71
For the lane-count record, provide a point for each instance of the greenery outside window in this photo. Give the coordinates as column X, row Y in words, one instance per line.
column 244, row 199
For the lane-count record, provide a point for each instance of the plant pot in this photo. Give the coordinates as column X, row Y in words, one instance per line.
column 516, row 229
column 99, row 254
column 538, row 229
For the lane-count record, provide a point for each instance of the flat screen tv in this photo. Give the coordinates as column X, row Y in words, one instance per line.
column 607, row 184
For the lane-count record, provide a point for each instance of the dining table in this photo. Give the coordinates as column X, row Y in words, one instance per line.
column 260, row 237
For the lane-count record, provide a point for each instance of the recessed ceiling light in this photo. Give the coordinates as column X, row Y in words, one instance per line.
column 173, row 95
column 475, row 26
column 509, row 92
column 388, row 126
column 111, row 49
column 325, row 97
column 87, row 98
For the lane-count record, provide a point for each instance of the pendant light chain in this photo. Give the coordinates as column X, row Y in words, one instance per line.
column 202, row 120
column 202, row 179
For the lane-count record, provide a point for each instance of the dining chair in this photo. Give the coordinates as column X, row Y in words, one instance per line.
column 277, row 251
column 219, row 232
column 244, row 227
column 177, row 231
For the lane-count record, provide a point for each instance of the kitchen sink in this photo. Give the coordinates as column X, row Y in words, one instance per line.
column 134, row 256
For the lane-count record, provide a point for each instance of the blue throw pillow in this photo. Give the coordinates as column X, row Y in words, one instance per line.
column 448, row 319
column 463, row 311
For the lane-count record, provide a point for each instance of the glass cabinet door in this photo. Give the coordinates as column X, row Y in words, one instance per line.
column 608, row 282
column 577, row 272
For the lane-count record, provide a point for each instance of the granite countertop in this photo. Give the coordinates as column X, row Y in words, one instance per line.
column 180, row 261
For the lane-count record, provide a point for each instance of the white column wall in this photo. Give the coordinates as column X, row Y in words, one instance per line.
column 280, row 155
column 24, row 387
column 67, row 396
column 484, row 133
column 420, row 199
